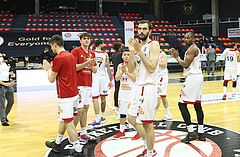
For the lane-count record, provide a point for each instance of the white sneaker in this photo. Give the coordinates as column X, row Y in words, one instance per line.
column 167, row 117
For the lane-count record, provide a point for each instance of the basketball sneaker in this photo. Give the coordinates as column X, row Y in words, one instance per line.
column 143, row 153
column 86, row 138
column 201, row 137
column 190, row 137
column 119, row 135
column 167, row 117
column 103, row 120
column 136, row 137
column 151, row 155
column 94, row 123
column 55, row 147
column 224, row 97
column 77, row 154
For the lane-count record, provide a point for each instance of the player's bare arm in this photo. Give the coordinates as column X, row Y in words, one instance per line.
column 132, row 76
column 119, row 73
column 238, row 56
column 107, row 65
column 51, row 75
column 131, row 60
column 151, row 63
column 94, row 66
column 191, row 53
column 163, row 60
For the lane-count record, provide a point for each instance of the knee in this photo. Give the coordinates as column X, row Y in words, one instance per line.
column 234, row 84
column 225, row 83
column 198, row 107
column 123, row 116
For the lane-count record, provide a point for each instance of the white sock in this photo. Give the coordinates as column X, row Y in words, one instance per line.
column 122, row 127
column 234, row 90
column 102, row 114
column 59, row 139
column 83, row 131
column 77, row 146
column 200, row 129
column 155, row 111
column 224, row 90
column 149, row 152
column 168, row 111
column 190, row 128
column 145, row 143
column 97, row 118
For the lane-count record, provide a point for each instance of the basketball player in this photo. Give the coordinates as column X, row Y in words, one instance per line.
column 230, row 73
column 145, row 97
column 100, row 84
column 127, row 87
column 162, row 83
column 86, row 65
column 191, row 88
column 63, row 70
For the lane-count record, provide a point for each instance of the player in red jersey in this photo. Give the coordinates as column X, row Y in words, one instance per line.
column 63, row 70
column 86, row 65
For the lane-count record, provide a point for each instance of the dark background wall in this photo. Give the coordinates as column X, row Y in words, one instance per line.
column 174, row 11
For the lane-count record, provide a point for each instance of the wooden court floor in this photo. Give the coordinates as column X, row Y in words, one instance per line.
column 33, row 119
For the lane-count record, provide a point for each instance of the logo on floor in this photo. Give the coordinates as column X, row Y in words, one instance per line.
column 220, row 142
column 215, row 98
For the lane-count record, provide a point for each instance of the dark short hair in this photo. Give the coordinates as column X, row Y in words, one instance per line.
column 57, row 39
column 85, row 34
column 98, row 42
column 117, row 45
column 146, row 21
column 232, row 45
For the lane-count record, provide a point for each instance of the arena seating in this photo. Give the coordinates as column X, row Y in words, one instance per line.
column 6, row 20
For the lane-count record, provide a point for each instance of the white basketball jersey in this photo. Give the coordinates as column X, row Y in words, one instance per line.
column 161, row 71
column 231, row 59
column 101, row 61
column 143, row 76
column 127, row 87
column 195, row 67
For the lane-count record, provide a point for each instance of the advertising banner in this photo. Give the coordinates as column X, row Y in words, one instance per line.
column 19, row 44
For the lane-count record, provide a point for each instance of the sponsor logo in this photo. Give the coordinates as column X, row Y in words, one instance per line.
column 220, row 142
column 67, row 35
column 1, row 40
column 216, row 98
column 188, row 8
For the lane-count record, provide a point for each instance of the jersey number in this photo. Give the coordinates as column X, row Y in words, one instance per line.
column 230, row 58
column 99, row 63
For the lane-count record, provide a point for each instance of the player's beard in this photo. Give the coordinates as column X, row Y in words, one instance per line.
column 145, row 37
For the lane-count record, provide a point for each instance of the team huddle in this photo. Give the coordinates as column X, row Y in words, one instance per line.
column 83, row 76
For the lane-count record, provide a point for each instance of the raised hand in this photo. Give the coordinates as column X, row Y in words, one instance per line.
column 174, row 53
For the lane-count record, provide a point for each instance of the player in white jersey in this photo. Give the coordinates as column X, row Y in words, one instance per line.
column 192, row 87
column 100, row 83
column 144, row 57
column 230, row 73
column 162, row 83
column 127, row 87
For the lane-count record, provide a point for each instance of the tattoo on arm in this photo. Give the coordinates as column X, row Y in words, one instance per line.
column 108, row 67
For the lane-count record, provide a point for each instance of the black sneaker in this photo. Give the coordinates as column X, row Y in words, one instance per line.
column 77, row 154
column 201, row 137
column 5, row 124
column 55, row 147
column 6, row 120
column 190, row 137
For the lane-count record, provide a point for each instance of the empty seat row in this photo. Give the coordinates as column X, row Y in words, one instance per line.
column 72, row 13
column 131, row 17
column 6, row 24
column 107, row 39
column 224, row 39
column 6, row 15
column 129, row 14
column 6, row 20
column 153, row 22
column 68, row 16
column 104, row 34
column 5, row 29
column 67, row 25
column 3, row 12
column 63, row 20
